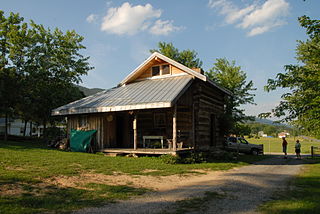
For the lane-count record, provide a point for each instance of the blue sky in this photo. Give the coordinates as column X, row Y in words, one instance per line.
column 260, row 35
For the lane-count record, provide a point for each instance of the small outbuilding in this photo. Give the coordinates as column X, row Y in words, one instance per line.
column 162, row 107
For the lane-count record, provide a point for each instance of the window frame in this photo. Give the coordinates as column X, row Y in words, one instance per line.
column 160, row 66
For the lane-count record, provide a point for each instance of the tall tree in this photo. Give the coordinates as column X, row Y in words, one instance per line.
column 186, row 57
column 55, row 65
column 38, row 67
column 301, row 105
column 230, row 76
column 10, row 76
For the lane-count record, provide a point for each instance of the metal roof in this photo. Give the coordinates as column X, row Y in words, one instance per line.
column 146, row 94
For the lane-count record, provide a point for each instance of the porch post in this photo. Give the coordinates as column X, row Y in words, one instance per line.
column 135, row 132
column 174, row 128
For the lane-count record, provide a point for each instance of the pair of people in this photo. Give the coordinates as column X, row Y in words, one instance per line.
column 297, row 148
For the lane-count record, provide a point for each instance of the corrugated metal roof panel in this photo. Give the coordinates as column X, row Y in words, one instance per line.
column 152, row 93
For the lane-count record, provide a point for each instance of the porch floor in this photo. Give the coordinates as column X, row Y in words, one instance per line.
column 145, row 151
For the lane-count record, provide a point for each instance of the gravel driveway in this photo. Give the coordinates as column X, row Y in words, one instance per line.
column 243, row 188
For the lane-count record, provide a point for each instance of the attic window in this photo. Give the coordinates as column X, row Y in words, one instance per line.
column 165, row 69
column 160, row 70
column 155, row 70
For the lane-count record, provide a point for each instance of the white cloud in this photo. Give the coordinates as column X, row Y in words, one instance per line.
column 92, row 18
column 231, row 12
column 265, row 28
column 129, row 19
column 163, row 27
column 256, row 18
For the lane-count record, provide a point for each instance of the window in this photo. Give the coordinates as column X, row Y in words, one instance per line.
column 243, row 141
column 155, row 70
column 165, row 69
column 82, row 121
column 160, row 70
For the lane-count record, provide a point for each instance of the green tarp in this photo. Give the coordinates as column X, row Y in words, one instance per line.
column 80, row 141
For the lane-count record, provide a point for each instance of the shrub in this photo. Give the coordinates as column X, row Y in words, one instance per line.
column 196, row 157
column 170, row 159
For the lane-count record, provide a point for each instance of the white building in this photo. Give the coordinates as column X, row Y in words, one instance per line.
column 16, row 127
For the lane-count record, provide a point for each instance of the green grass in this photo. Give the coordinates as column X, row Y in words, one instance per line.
column 25, row 166
column 64, row 199
column 275, row 144
column 303, row 198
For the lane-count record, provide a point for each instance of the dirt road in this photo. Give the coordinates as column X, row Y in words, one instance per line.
column 243, row 189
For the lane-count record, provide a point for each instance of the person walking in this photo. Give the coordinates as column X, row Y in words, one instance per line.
column 298, row 149
column 284, row 147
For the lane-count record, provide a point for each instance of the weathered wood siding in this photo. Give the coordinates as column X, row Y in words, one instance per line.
column 93, row 121
column 104, row 123
column 208, row 108
column 147, row 127
column 198, row 113
column 185, row 118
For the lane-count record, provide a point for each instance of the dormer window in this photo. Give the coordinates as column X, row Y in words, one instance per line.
column 160, row 70
column 155, row 70
column 165, row 69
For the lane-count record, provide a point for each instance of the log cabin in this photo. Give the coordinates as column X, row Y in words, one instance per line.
column 162, row 107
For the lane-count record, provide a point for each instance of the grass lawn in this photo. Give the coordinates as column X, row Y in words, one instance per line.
column 303, row 198
column 25, row 168
column 275, row 144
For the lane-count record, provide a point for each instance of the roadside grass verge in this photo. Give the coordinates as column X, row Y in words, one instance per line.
column 302, row 195
column 25, row 168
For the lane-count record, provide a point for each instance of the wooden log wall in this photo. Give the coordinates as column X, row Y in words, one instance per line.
column 146, row 124
column 208, row 107
column 185, row 118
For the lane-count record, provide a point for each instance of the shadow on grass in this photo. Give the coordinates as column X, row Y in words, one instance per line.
column 35, row 199
column 23, row 145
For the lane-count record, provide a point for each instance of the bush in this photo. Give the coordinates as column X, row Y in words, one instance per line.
column 54, row 133
column 196, row 157
column 170, row 159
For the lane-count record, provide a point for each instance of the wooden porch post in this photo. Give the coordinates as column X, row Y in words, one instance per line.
column 135, row 132
column 174, row 128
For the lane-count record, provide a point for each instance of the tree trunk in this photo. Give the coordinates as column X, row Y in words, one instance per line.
column 30, row 132
column 44, row 130
column 25, row 128
column 6, row 127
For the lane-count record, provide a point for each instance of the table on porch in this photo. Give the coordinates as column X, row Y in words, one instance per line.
column 152, row 138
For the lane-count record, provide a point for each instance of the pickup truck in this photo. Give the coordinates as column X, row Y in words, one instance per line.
column 239, row 144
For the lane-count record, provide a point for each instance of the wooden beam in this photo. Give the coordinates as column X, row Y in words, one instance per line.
column 135, row 132
column 193, row 127
column 174, row 128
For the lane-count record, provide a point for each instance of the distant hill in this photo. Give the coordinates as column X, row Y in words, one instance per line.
column 269, row 122
column 89, row 91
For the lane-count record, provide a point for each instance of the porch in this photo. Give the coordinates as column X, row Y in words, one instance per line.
column 144, row 151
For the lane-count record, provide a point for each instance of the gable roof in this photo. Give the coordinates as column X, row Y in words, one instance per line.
column 157, row 92
column 184, row 68
column 152, row 93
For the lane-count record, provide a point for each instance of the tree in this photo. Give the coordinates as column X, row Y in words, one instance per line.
column 230, row 76
column 185, row 57
column 10, row 76
column 301, row 106
column 55, row 64
column 38, row 69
